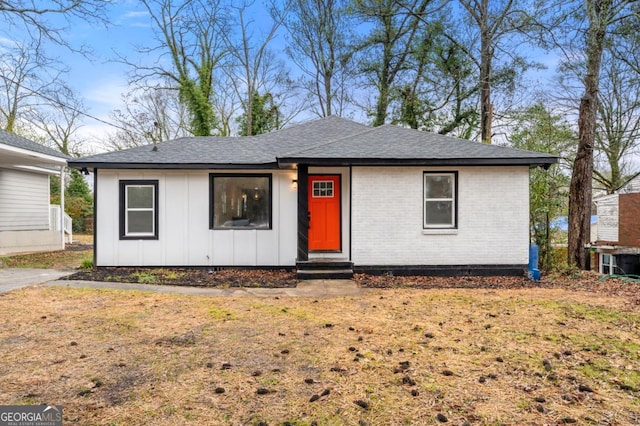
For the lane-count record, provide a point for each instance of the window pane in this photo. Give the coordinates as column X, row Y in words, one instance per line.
column 140, row 222
column 438, row 186
column 241, row 202
column 139, row 197
column 438, row 212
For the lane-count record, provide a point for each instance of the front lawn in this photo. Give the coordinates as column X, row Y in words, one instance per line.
column 389, row 357
column 73, row 257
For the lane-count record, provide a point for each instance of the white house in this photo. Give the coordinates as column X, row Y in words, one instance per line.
column 328, row 193
column 27, row 221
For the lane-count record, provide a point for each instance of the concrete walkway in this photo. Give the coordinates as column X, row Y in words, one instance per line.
column 312, row 288
column 14, row 278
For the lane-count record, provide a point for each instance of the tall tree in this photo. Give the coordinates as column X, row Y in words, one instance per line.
column 254, row 66
column 189, row 35
column 440, row 87
column 318, row 32
column 601, row 15
column 496, row 23
column 384, row 52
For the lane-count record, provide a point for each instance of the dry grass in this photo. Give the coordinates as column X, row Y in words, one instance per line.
column 73, row 257
column 390, row 357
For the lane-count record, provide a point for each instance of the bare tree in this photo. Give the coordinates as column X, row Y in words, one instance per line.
column 384, row 52
column 495, row 22
column 189, row 43
column 254, row 66
column 618, row 123
column 35, row 16
column 601, row 16
column 27, row 78
column 60, row 120
column 318, row 34
column 150, row 115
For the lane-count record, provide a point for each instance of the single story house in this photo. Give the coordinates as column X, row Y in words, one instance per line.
column 28, row 222
column 617, row 243
column 326, row 193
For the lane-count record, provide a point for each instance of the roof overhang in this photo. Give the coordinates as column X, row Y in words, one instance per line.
column 541, row 161
column 169, row 166
column 292, row 162
column 13, row 156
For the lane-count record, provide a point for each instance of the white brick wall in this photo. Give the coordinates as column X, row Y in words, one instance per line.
column 493, row 218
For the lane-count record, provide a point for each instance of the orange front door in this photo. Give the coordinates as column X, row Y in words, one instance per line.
column 324, row 212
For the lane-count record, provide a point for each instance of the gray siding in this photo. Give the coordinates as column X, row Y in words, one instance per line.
column 24, row 201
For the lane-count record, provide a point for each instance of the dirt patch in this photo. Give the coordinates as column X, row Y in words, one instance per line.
column 391, row 356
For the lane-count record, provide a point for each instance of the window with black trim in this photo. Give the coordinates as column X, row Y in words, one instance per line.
column 139, row 209
column 240, row 201
column 440, row 200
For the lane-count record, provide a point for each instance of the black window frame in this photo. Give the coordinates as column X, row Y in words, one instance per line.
column 123, row 208
column 212, row 177
column 454, row 198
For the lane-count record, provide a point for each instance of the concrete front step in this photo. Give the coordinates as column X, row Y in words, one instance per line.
column 324, row 269
column 325, row 274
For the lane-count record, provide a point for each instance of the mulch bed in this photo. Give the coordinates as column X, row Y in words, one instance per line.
column 192, row 277
column 282, row 278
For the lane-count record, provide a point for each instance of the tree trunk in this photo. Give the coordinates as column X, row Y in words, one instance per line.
column 580, row 189
column 486, row 55
column 581, row 179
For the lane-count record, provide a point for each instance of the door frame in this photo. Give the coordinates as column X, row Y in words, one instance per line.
column 310, row 194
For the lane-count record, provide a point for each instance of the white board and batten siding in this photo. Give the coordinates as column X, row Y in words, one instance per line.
column 184, row 237
column 24, row 201
column 493, row 218
column 607, row 210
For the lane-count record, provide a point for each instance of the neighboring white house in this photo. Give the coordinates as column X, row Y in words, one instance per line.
column 618, row 234
column 372, row 199
column 27, row 221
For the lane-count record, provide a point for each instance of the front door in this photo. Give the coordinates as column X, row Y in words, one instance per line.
column 324, row 213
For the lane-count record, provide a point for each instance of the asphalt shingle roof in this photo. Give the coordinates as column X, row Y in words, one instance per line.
column 330, row 140
column 11, row 139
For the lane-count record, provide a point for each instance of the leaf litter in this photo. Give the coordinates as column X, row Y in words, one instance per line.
column 496, row 351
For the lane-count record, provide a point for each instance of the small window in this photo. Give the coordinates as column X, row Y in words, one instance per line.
column 139, row 209
column 607, row 264
column 323, row 189
column 240, row 201
column 440, row 200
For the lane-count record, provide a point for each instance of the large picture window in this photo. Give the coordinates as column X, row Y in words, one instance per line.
column 440, row 200
column 240, row 201
column 139, row 209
